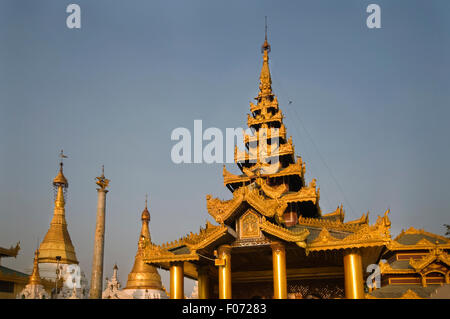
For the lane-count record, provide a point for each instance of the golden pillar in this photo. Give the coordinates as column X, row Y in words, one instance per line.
column 176, row 280
column 99, row 242
column 203, row 283
column 279, row 271
column 354, row 283
column 224, row 263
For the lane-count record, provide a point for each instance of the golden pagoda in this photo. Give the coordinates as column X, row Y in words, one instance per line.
column 144, row 276
column 35, row 278
column 35, row 288
column 57, row 242
column 271, row 239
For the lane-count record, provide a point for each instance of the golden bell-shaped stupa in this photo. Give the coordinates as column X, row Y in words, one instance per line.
column 57, row 241
column 144, row 276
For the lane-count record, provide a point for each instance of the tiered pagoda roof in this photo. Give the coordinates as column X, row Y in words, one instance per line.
column 271, row 201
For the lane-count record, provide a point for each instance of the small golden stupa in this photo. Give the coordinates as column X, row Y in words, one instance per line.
column 144, row 276
column 35, row 278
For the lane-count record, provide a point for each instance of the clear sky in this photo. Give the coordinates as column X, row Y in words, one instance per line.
column 369, row 111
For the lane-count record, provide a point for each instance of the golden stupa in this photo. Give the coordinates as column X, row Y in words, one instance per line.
column 57, row 241
column 35, row 278
column 143, row 276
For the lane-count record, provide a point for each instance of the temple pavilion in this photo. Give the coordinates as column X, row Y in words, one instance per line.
column 271, row 239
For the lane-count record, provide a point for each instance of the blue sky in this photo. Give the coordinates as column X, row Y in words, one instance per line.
column 369, row 111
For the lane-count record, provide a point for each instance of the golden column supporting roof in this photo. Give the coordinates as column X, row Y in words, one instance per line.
column 354, row 284
column 224, row 263
column 177, row 280
column 279, row 271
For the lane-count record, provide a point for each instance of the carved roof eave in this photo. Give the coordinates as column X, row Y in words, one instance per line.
column 194, row 242
column 305, row 194
column 284, row 149
column 413, row 231
column 221, row 211
column 259, row 106
column 10, row 252
column 209, row 239
column 281, row 132
column 435, row 255
column 278, row 117
column 155, row 255
column 364, row 219
column 366, row 236
column 328, row 224
column 385, row 268
column 339, row 213
column 199, row 240
column 292, row 169
column 420, row 245
column 298, row 237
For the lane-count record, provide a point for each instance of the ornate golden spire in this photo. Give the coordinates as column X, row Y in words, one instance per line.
column 143, row 276
column 265, row 80
column 57, row 241
column 35, row 278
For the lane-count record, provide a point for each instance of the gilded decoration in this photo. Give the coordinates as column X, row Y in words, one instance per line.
column 414, row 231
column 102, row 181
column 273, row 192
column 435, row 255
column 11, row 252
column 161, row 253
column 330, row 224
column 271, row 134
column 385, row 268
column 262, row 154
column 366, row 236
column 222, row 210
column 394, row 245
column 264, row 118
column 157, row 254
column 273, row 204
column 249, row 226
column 298, row 237
column 337, row 215
column 297, row 168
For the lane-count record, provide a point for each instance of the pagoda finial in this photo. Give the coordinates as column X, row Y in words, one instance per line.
column 145, row 217
column 265, row 80
column 60, row 179
column 266, row 45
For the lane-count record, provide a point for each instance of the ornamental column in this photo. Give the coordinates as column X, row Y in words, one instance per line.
column 203, row 283
column 177, row 280
column 224, row 262
column 99, row 242
column 279, row 270
column 354, row 284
